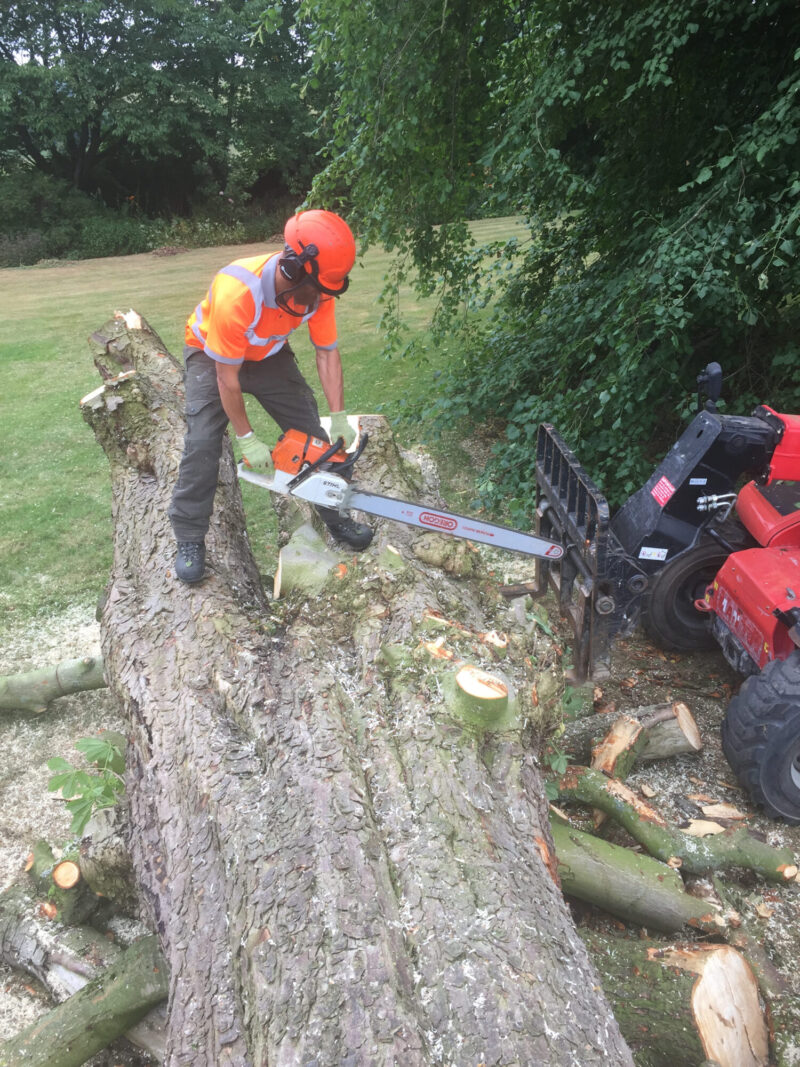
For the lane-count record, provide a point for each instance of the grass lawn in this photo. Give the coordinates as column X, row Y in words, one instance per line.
column 55, row 534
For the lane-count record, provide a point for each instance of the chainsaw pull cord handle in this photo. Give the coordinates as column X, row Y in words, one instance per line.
column 342, row 468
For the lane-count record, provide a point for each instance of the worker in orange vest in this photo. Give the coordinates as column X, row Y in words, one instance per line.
column 236, row 343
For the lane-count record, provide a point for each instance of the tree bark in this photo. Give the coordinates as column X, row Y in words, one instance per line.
column 34, row 690
column 669, row 730
column 636, row 888
column 340, row 870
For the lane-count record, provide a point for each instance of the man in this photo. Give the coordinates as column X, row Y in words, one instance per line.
column 236, row 343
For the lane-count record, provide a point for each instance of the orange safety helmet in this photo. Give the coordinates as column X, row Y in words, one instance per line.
column 320, row 248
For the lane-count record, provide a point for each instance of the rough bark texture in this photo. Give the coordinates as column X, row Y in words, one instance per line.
column 339, row 870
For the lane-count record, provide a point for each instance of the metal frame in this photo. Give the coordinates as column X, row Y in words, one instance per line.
column 598, row 585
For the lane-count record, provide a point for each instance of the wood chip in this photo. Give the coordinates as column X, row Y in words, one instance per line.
column 675, row 862
column 703, row 828
column 647, row 791
column 722, row 811
column 764, row 911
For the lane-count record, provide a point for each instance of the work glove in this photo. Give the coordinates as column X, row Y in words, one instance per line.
column 256, row 455
column 340, row 427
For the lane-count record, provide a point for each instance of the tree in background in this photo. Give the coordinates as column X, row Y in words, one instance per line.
column 155, row 106
column 651, row 148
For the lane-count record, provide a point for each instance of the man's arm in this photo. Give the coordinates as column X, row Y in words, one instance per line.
column 230, row 393
column 329, row 369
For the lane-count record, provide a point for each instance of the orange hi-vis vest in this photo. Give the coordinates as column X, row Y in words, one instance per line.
column 240, row 319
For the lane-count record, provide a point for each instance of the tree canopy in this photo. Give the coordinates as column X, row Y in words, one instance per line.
column 651, row 148
column 155, row 102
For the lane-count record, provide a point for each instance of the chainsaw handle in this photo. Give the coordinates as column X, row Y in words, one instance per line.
column 342, row 468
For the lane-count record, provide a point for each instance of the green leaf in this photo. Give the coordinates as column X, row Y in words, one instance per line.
column 81, row 811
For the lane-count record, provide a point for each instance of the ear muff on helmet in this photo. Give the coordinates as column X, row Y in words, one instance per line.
column 303, row 267
column 292, row 266
column 320, row 248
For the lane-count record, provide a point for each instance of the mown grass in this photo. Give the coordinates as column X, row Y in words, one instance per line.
column 55, row 528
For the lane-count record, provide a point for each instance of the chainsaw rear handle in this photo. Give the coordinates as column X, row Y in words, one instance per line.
column 342, row 469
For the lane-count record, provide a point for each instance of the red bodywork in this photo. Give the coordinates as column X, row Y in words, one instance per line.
column 785, row 462
column 755, row 583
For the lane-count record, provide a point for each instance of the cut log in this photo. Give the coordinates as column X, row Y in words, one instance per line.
column 682, row 1004
column 339, row 872
column 697, row 855
column 669, row 730
column 68, row 897
column 616, row 753
column 304, row 564
column 91, row 1019
column 481, row 699
column 66, row 875
column 64, row 958
column 34, row 690
column 636, row 888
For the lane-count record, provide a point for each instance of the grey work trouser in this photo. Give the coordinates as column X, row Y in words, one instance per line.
column 280, row 388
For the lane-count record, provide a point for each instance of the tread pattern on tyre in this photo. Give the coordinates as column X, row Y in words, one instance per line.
column 764, row 713
column 660, row 619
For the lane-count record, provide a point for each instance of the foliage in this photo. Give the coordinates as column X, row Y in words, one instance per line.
column 42, row 217
column 155, row 106
column 652, row 148
column 87, row 793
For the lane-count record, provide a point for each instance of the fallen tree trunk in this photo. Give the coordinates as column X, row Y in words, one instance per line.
column 696, row 855
column 339, row 868
column 34, row 690
column 682, row 1004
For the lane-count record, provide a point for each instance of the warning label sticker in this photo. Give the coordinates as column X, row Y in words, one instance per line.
column 662, row 490
column 652, row 553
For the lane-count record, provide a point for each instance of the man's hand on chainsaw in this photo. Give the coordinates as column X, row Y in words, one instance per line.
column 256, row 455
column 340, row 427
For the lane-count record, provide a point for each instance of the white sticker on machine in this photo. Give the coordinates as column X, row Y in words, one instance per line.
column 652, row 553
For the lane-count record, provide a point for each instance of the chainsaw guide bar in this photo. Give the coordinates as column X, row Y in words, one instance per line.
column 328, row 489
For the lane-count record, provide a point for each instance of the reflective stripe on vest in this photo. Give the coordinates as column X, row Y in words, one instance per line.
column 253, row 283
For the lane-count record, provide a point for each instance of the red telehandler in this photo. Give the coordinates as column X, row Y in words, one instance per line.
column 706, row 553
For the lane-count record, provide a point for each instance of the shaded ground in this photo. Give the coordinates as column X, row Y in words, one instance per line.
column 642, row 674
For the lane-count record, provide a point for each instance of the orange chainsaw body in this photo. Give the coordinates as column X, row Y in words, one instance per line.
column 295, row 449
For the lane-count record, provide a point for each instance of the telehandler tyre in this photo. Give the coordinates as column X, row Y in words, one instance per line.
column 761, row 737
column 669, row 616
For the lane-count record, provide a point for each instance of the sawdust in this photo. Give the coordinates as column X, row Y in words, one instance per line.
column 28, row 811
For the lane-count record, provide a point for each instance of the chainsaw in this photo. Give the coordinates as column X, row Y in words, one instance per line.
column 314, row 470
